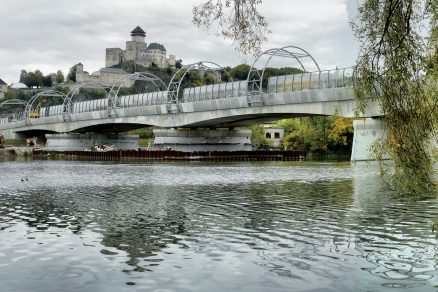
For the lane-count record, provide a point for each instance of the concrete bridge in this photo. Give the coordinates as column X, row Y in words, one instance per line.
column 216, row 106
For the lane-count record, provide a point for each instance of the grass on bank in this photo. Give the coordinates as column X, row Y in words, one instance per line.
column 15, row 143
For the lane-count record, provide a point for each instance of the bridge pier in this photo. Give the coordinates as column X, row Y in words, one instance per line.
column 76, row 141
column 366, row 132
column 190, row 140
column 10, row 135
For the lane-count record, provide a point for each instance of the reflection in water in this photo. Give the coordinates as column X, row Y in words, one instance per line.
column 247, row 227
column 396, row 242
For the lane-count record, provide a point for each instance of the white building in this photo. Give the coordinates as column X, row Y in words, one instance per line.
column 138, row 51
column 275, row 135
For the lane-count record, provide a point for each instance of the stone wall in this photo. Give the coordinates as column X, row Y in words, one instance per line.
column 113, row 57
column 3, row 89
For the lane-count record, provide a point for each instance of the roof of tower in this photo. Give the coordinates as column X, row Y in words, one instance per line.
column 156, row 46
column 138, row 31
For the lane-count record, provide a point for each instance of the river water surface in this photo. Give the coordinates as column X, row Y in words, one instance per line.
column 301, row 226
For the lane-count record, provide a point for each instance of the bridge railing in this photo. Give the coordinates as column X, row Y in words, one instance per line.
column 311, row 80
column 297, row 82
column 12, row 117
column 143, row 99
column 215, row 91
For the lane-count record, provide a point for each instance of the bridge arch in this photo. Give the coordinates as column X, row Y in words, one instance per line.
column 75, row 90
column 173, row 90
column 48, row 93
column 113, row 95
column 255, row 75
column 14, row 101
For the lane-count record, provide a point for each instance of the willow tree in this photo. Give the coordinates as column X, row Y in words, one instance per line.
column 237, row 20
column 397, row 67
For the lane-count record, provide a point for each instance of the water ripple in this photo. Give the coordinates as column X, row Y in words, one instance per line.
column 77, row 226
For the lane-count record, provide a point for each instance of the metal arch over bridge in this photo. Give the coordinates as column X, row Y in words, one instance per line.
column 13, row 102
column 173, row 90
column 251, row 97
column 255, row 75
column 48, row 93
column 113, row 95
column 74, row 91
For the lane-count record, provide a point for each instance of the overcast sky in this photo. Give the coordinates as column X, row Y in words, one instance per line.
column 55, row 34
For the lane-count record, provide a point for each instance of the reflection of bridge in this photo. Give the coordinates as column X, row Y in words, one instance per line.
column 220, row 105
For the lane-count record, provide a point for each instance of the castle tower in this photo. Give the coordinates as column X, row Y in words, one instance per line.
column 79, row 68
column 79, row 73
column 136, row 46
column 138, row 35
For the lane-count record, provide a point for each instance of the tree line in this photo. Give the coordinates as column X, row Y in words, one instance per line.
column 317, row 135
column 38, row 79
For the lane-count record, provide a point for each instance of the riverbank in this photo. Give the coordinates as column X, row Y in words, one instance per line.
column 171, row 155
column 16, row 151
column 155, row 155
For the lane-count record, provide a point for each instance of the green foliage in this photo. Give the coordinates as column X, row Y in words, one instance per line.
column 59, row 77
column 143, row 142
column 236, row 20
column 33, row 79
column 341, row 132
column 178, row 64
column 63, row 89
column 318, row 135
column 144, row 133
column 37, row 78
column 15, row 142
column 397, row 70
column 209, row 79
column 269, row 72
column 240, row 72
column 47, row 81
column 71, row 76
column 91, row 94
column 258, row 137
column 289, row 125
column 23, row 76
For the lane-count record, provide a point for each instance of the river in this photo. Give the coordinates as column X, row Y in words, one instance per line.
column 271, row 226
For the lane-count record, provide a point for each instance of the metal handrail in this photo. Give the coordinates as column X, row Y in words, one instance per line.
column 334, row 78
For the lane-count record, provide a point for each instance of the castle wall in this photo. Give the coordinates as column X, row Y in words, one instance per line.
column 102, row 78
column 113, row 57
column 137, row 50
column 3, row 89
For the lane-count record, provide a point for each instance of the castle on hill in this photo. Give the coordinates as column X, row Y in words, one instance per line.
column 140, row 52
column 137, row 50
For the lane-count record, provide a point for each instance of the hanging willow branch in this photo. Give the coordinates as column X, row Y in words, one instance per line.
column 398, row 69
column 237, row 20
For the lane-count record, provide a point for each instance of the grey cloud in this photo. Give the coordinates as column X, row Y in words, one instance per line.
column 51, row 35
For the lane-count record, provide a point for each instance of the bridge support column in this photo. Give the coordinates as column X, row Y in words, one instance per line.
column 74, row 141
column 190, row 140
column 366, row 132
column 10, row 135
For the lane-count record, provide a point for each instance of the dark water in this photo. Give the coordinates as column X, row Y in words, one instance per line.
column 83, row 226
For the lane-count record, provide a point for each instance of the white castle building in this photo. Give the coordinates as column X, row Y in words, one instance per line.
column 138, row 51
